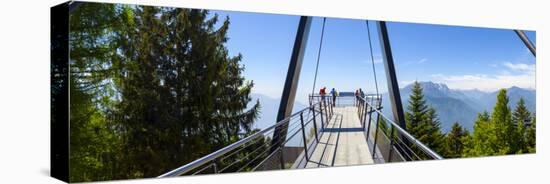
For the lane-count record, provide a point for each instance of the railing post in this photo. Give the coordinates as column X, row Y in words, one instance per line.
column 365, row 114
column 326, row 111
column 314, row 123
column 375, row 135
column 361, row 110
column 321, row 111
column 370, row 118
column 329, row 105
column 331, row 108
column 358, row 106
column 304, row 135
column 391, row 142
column 282, row 159
column 215, row 165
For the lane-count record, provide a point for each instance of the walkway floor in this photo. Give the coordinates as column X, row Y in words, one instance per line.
column 342, row 142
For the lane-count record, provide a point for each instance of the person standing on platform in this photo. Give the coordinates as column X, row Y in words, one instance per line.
column 356, row 97
column 323, row 92
column 334, row 94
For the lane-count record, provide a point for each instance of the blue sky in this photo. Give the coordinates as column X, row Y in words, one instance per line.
column 461, row 57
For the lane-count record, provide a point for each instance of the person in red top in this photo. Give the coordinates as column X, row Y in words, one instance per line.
column 323, row 92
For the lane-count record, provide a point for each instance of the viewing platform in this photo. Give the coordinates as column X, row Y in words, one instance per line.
column 342, row 142
column 332, row 131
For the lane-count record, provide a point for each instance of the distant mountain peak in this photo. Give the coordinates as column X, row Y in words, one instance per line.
column 429, row 85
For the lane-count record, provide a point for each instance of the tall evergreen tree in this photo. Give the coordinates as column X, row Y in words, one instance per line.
column 154, row 88
column 483, row 137
column 497, row 135
column 521, row 117
column 455, row 141
column 94, row 145
column 182, row 96
column 521, row 114
column 417, row 108
column 530, row 136
column 503, row 127
column 422, row 121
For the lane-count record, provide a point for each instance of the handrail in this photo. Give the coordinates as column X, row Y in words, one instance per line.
column 367, row 95
column 415, row 141
column 205, row 159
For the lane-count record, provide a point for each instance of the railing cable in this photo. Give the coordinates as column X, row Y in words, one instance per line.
column 372, row 58
column 319, row 55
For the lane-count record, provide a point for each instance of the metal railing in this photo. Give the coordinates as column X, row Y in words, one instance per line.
column 258, row 152
column 335, row 101
column 387, row 141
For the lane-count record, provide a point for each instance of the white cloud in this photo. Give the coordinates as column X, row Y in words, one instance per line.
column 514, row 74
column 423, row 60
column 520, row 67
column 405, row 82
column 486, row 82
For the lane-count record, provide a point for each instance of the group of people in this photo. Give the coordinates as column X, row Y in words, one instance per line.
column 333, row 93
column 323, row 92
column 359, row 93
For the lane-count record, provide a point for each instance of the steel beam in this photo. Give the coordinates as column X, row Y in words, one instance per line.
column 526, row 41
column 393, row 86
column 292, row 77
column 73, row 5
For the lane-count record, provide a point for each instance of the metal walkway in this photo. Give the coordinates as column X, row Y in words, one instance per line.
column 342, row 142
column 349, row 131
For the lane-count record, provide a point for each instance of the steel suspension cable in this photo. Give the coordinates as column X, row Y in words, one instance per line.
column 319, row 55
column 372, row 59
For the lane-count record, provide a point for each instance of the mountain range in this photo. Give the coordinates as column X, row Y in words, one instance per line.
column 454, row 105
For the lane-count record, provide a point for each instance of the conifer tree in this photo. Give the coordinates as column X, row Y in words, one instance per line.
column 455, row 141
column 521, row 117
column 521, row 114
column 422, row 121
column 94, row 145
column 482, row 142
column 503, row 127
column 417, row 108
column 182, row 96
column 530, row 136
column 156, row 88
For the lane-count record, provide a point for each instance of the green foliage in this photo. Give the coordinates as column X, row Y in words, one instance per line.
column 152, row 89
column 521, row 118
column 92, row 144
column 455, row 141
column 504, row 132
column 503, row 128
column 483, row 138
column 498, row 133
column 530, row 136
column 417, row 108
column 422, row 121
